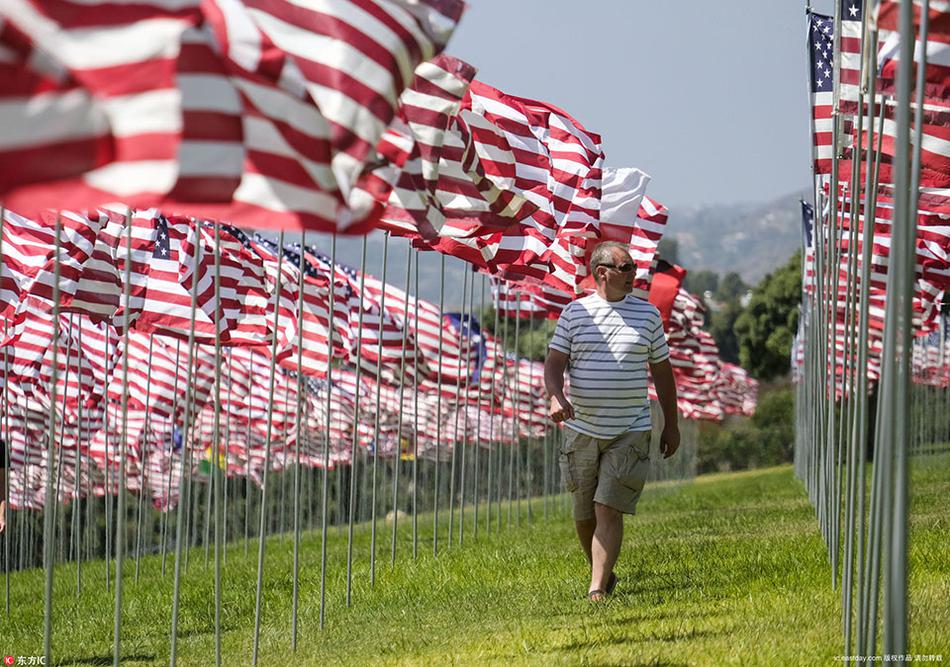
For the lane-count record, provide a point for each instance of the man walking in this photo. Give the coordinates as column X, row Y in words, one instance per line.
column 608, row 339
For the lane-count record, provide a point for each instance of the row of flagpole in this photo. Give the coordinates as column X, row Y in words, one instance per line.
column 864, row 522
column 520, row 467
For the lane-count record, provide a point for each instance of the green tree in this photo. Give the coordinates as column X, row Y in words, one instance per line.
column 767, row 325
column 669, row 249
column 533, row 333
column 731, row 287
column 721, row 323
column 699, row 282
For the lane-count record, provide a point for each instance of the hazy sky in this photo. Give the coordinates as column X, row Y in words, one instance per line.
column 709, row 98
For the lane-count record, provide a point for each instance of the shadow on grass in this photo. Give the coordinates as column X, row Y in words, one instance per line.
column 640, row 616
column 674, row 636
column 107, row 659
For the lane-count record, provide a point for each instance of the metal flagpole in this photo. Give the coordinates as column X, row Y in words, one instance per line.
column 856, row 479
column 50, row 454
column 832, row 443
column 144, row 448
column 57, row 515
column 77, row 518
column 402, row 387
column 351, row 510
column 516, row 438
column 184, row 488
column 325, row 491
column 468, row 376
column 861, row 431
column 528, row 477
column 501, row 425
column 904, row 235
column 171, row 462
column 458, row 390
column 849, row 379
column 8, row 536
column 298, row 419
column 267, row 445
column 379, row 384
column 415, row 425
column 438, row 410
column 107, row 499
column 247, row 473
column 478, row 419
column 227, row 440
column 217, row 476
column 492, row 445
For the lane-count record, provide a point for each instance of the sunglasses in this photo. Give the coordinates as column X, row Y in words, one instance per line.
column 626, row 267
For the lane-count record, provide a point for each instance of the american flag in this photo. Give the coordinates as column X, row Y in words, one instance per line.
column 266, row 113
column 808, row 248
column 27, row 247
column 934, row 151
column 821, row 56
column 852, row 28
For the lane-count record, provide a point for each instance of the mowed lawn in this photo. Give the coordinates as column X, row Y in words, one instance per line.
column 729, row 569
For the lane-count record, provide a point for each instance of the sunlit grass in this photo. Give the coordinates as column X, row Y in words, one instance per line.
column 729, row 569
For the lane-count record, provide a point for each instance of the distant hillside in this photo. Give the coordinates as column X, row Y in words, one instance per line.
column 751, row 239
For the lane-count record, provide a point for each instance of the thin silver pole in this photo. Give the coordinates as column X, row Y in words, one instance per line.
column 217, row 476
column 379, row 384
column 415, row 427
column 478, row 417
column 501, row 426
column 402, row 387
column 8, row 536
column 300, row 408
column 516, row 438
column 492, row 444
column 181, row 536
column 351, row 511
column 458, row 404
column 468, row 375
column 324, row 501
column 267, row 445
column 904, row 234
column 50, row 454
column 77, row 514
column 171, row 464
column 438, row 410
column 870, row 215
column 143, row 448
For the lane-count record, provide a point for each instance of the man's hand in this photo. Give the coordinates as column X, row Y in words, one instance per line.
column 669, row 440
column 561, row 409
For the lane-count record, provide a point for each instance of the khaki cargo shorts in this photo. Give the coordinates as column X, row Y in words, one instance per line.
column 610, row 472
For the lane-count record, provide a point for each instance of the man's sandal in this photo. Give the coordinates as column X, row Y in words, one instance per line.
column 597, row 595
column 611, row 584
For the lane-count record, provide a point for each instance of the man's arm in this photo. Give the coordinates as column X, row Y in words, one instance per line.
column 666, row 393
column 554, row 366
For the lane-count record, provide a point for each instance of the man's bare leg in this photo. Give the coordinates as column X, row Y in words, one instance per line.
column 585, row 533
column 605, row 547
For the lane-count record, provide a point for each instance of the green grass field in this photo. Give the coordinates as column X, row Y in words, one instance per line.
column 729, row 569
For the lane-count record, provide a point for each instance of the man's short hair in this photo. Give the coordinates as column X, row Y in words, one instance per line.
column 603, row 255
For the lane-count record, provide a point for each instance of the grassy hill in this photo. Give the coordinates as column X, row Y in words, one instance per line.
column 729, row 569
column 752, row 239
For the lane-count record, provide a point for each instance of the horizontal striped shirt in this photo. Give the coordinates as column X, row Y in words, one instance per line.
column 610, row 344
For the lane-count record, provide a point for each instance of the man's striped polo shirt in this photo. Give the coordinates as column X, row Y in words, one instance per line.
column 609, row 344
